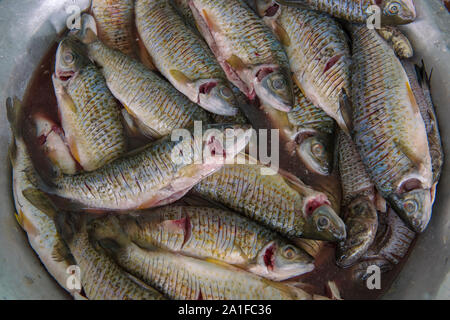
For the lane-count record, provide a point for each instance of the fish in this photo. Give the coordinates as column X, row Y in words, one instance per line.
column 391, row 12
column 36, row 221
column 154, row 103
column 399, row 42
column 240, row 117
column 183, row 9
column 100, row 277
column 388, row 129
column 318, row 52
column 251, row 56
column 420, row 85
column 360, row 213
column 392, row 242
column 90, row 115
column 185, row 278
column 154, row 175
column 205, row 232
column 304, row 137
column 50, row 137
column 183, row 57
column 115, row 24
column 279, row 201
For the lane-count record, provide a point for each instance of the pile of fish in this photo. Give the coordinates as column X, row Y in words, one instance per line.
column 202, row 219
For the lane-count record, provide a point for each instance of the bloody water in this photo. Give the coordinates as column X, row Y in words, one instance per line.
column 40, row 98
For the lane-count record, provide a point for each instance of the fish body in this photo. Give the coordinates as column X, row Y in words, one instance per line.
column 249, row 53
column 318, row 53
column 155, row 175
column 100, row 277
column 420, row 85
column 156, row 105
column 115, row 24
column 185, row 278
column 280, row 202
column 38, row 225
column 52, row 142
column 360, row 214
column 184, row 59
column 391, row 12
column 388, row 129
column 205, row 232
column 90, row 115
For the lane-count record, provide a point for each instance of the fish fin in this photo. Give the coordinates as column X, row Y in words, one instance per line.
column 19, row 217
column 12, row 152
column 422, row 76
column 409, row 153
column 40, row 200
column 412, row 98
column 63, row 97
column 15, row 114
column 397, row 40
column 235, row 62
column 217, row 262
column 60, row 251
column 345, row 107
column 180, row 76
column 282, row 35
column 209, row 22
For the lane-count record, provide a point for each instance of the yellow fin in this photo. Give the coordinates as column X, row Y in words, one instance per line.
column 180, row 76
column 40, row 200
column 236, row 63
column 412, row 98
column 211, row 25
column 19, row 217
column 282, row 35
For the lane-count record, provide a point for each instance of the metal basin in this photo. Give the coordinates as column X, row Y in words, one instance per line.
column 30, row 27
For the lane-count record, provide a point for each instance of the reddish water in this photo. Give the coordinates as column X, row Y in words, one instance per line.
column 40, row 98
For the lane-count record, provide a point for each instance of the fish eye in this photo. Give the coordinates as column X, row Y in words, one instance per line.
column 68, row 57
column 226, row 92
column 323, row 222
column 393, row 8
column 289, row 252
column 279, row 84
column 317, row 149
column 411, row 206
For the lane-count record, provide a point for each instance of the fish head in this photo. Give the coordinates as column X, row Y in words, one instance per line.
column 281, row 261
column 362, row 222
column 218, row 96
column 414, row 207
column 395, row 12
column 273, row 86
column 70, row 58
column 316, row 152
column 267, row 8
column 322, row 222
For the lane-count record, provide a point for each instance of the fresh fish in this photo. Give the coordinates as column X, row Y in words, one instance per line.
column 157, row 106
column 90, row 115
column 186, row 278
column 204, row 232
column 391, row 244
column 304, row 138
column 154, row 175
column 181, row 55
column 251, row 56
column 239, row 118
column 280, row 201
column 420, row 85
column 318, row 53
column 399, row 42
column 360, row 213
column 52, row 142
column 115, row 24
column 183, row 9
column 388, row 129
column 100, row 277
column 38, row 224
column 392, row 12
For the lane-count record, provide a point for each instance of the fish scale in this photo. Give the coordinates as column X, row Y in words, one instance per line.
column 186, row 278
column 114, row 20
column 318, row 53
column 394, row 148
column 99, row 272
column 149, row 98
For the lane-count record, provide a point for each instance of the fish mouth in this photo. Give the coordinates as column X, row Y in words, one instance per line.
column 269, row 257
column 65, row 76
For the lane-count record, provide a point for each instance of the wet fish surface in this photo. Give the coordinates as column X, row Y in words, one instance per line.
column 183, row 57
column 388, row 129
column 252, row 58
column 205, row 232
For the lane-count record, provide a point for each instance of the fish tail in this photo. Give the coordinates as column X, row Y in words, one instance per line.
column 88, row 32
